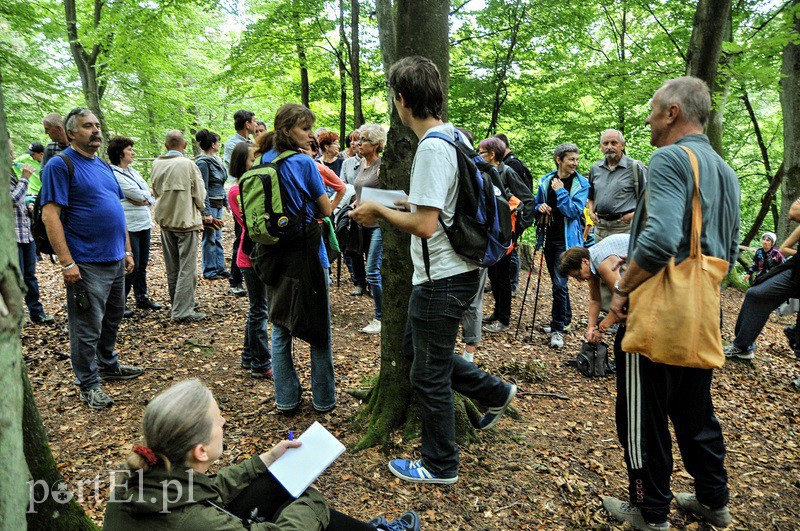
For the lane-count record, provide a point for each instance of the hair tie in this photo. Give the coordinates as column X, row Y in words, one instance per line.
column 147, row 453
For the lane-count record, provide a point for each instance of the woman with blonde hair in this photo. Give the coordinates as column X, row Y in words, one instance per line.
column 166, row 487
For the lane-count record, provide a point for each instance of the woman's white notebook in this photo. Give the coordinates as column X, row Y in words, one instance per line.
column 299, row 467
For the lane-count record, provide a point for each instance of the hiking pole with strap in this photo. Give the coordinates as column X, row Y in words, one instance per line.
column 539, row 279
column 530, row 271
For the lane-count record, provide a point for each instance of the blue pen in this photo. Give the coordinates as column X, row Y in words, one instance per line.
column 291, row 435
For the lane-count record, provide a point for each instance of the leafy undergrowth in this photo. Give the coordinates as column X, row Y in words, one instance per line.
column 547, row 470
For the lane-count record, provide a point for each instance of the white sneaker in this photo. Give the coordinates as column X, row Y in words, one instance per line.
column 374, row 327
column 556, row 340
column 469, row 356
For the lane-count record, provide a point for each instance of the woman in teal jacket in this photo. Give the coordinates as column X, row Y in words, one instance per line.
column 561, row 198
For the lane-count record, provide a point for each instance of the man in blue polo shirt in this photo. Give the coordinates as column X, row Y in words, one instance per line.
column 86, row 226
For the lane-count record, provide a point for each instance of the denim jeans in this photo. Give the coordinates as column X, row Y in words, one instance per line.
column 562, row 310
column 435, row 310
column 288, row 391
column 27, row 264
column 140, row 247
column 374, row 260
column 213, row 254
column 93, row 332
column 255, row 352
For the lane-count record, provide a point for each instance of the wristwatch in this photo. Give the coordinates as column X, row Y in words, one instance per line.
column 619, row 291
column 128, row 253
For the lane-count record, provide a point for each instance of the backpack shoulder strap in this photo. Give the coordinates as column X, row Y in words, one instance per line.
column 636, row 178
column 70, row 166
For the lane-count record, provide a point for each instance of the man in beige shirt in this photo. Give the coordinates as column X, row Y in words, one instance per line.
column 180, row 196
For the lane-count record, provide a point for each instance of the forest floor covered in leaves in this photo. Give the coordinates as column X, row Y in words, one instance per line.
column 547, row 470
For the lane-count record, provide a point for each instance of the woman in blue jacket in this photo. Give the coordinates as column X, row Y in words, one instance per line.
column 561, row 197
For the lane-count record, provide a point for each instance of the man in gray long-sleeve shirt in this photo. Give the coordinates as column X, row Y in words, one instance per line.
column 650, row 394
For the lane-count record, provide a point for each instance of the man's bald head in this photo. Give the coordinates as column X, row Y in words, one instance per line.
column 175, row 141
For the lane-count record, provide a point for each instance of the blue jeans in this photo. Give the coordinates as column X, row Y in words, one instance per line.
column 27, row 264
column 213, row 254
column 93, row 332
column 374, row 261
column 140, row 248
column 562, row 310
column 288, row 391
column 435, row 310
column 255, row 352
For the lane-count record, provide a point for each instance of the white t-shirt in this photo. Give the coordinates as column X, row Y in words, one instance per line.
column 434, row 175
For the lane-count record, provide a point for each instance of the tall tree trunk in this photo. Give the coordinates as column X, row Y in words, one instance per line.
column 501, row 90
column 790, row 105
column 388, row 38
column 720, row 92
column 773, row 181
column 13, row 472
column 93, row 88
column 304, row 89
column 711, row 22
column 51, row 514
column 389, row 404
column 342, row 77
column 355, row 63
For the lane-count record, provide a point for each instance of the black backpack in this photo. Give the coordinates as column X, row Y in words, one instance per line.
column 592, row 360
column 481, row 230
column 38, row 230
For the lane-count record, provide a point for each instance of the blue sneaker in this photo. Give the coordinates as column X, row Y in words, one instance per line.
column 493, row 414
column 378, row 521
column 408, row 521
column 415, row 472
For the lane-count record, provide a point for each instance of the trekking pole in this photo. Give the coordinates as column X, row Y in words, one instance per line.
column 528, row 281
column 539, row 279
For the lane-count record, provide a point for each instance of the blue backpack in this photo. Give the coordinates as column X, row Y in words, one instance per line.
column 481, row 232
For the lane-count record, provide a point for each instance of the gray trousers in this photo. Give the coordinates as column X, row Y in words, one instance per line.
column 472, row 321
column 93, row 331
column 604, row 229
column 759, row 302
column 180, row 261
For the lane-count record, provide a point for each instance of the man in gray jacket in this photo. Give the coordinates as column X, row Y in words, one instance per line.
column 650, row 394
column 180, row 198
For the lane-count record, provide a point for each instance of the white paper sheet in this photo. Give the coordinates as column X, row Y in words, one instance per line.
column 384, row 197
column 299, row 467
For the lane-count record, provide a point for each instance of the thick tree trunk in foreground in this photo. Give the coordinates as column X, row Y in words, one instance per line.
column 13, row 472
column 50, row 514
column 388, row 37
column 389, row 403
column 714, row 128
column 790, row 105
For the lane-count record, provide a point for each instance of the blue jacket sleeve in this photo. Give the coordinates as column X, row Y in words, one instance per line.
column 572, row 205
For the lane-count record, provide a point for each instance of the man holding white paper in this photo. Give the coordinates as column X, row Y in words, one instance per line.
column 438, row 298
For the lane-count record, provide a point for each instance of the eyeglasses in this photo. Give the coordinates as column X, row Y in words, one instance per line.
column 73, row 112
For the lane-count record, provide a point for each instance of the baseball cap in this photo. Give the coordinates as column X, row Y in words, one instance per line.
column 35, row 147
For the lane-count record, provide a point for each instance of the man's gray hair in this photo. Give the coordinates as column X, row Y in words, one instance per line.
column 53, row 119
column 604, row 133
column 689, row 93
column 563, row 149
column 71, row 122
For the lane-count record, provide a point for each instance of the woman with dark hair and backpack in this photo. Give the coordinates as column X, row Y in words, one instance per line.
column 292, row 268
column 214, row 177
column 256, row 356
column 166, row 486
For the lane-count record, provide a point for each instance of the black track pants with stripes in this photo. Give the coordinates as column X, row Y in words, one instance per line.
column 649, row 395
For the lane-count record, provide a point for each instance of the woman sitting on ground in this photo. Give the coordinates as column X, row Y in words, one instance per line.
column 765, row 258
column 168, row 487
